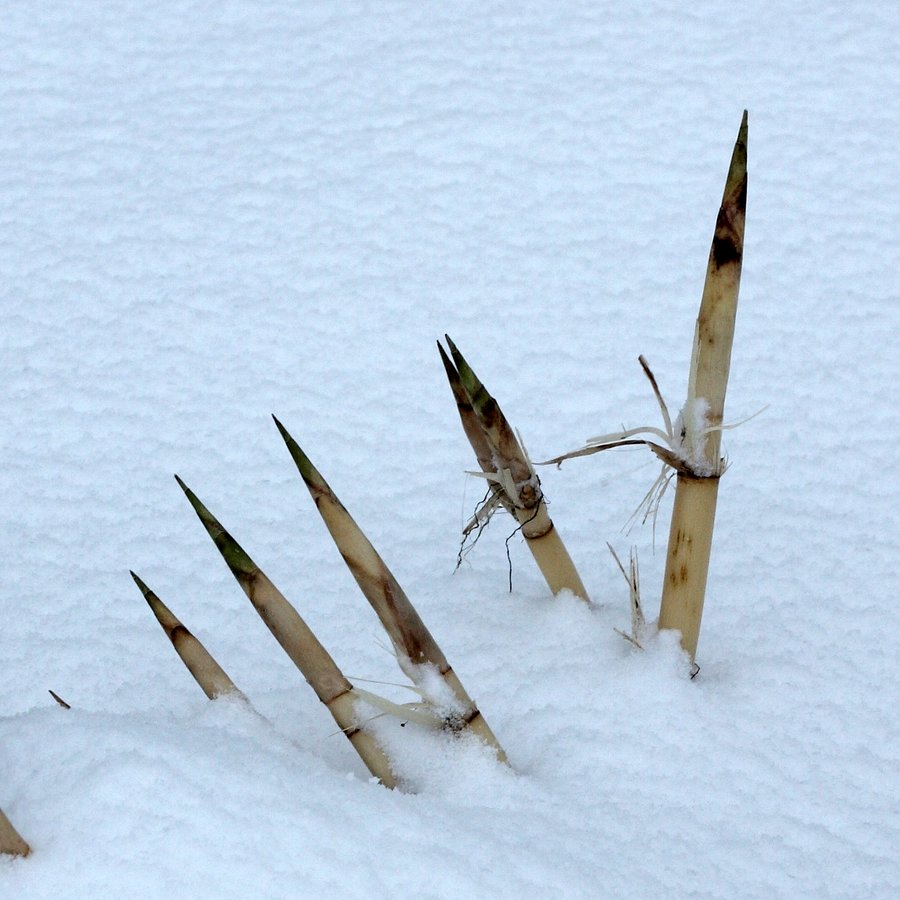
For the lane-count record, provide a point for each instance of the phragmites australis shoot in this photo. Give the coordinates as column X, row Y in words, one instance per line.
column 694, row 512
column 416, row 651
column 298, row 641
column 689, row 448
column 59, row 700
column 211, row 677
column 514, row 485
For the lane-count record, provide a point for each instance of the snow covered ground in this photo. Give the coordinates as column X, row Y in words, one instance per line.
column 215, row 211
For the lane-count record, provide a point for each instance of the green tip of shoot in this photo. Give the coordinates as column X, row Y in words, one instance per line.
column 163, row 614
column 308, row 471
column 238, row 561
column 478, row 394
column 449, row 368
column 141, row 586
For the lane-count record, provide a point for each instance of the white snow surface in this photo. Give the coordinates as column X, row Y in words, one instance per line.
column 216, row 211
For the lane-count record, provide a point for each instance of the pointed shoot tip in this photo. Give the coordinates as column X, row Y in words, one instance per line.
column 449, row 368
column 742, row 131
column 301, row 460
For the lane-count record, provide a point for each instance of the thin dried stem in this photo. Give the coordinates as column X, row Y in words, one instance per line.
column 664, row 410
column 632, row 578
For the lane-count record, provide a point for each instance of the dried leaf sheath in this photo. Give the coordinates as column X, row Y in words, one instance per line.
column 413, row 644
column 500, row 454
column 297, row 640
column 694, row 511
column 211, row 677
column 11, row 841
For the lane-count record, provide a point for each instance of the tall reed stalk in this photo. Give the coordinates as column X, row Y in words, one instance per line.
column 696, row 491
column 691, row 447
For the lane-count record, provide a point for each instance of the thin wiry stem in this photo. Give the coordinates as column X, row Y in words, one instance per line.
column 664, row 410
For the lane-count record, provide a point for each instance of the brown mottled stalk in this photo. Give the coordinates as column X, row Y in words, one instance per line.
column 484, row 454
column 298, row 641
column 211, row 677
column 502, row 458
column 693, row 515
column 416, row 650
column 11, row 841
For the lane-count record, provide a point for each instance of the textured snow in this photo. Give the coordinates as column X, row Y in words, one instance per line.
column 212, row 212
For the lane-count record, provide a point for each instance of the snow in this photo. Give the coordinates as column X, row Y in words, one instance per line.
column 214, row 212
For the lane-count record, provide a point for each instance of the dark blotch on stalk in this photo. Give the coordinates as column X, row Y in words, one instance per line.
column 179, row 633
column 725, row 251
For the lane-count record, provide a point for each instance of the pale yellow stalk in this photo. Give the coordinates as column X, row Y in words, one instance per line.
column 693, row 515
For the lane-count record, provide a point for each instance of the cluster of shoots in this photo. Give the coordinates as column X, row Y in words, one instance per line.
column 444, row 702
column 688, row 448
